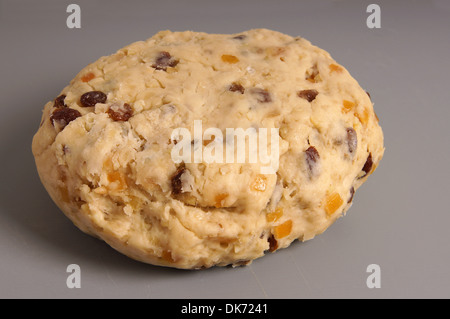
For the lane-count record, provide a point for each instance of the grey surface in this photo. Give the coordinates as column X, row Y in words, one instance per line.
column 400, row 217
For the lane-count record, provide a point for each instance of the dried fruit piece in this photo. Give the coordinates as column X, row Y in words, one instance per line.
column 274, row 216
column 219, row 199
column 91, row 98
column 332, row 203
column 364, row 117
column 348, row 106
column 177, row 185
column 273, row 244
column 352, row 192
column 312, row 75
column 59, row 101
column 309, row 95
column 352, row 140
column 167, row 256
column 236, row 87
column 118, row 179
column 259, row 184
column 262, row 96
column 64, row 116
column 367, row 165
column 164, row 60
column 335, row 68
column 283, row 230
column 228, row 58
column 87, row 77
column 120, row 112
column 312, row 158
column 240, row 37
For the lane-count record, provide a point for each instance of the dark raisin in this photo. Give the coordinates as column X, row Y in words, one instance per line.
column 309, row 95
column 352, row 192
column 91, row 98
column 369, row 95
column 262, row 96
column 177, row 185
column 120, row 112
column 63, row 116
column 352, row 140
column 312, row 158
column 240, row 37
column 368, row 165
column 273, row 244
column 59, row 101
column 164, row 60
column 236, row 87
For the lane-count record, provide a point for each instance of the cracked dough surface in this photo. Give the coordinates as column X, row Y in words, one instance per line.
column 108, row 167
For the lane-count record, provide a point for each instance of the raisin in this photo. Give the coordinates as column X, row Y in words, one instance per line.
column 59, row 101
column 119, row 112
column 236, row 87
column 262, row 96
column 273, row 244
column 352, row 192
column 91, row 98
column 352, row 140
column 312, row 157
column 240, row 37
column 369, row 95
column 309, row 95
column 177, row 185
column 63, row 116
column 368, row 165
column 164, row 60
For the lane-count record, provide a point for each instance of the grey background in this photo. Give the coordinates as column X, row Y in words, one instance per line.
column 400, row 217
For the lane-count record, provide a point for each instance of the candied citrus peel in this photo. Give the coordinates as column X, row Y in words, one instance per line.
column 332, row 203
column 259, row 184
column 228, row 58
column 363, row 117
column 87, row 77
column 335, row 68
column 114, row 176
column 219, row 199
column 274, row 216
column 347, row 106
column 167, row 256
column 283, row 229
